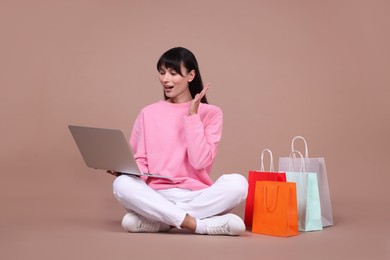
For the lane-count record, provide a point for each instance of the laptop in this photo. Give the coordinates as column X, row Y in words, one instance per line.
column 107, row 149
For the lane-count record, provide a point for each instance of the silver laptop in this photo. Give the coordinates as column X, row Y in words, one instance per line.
column 107, row 149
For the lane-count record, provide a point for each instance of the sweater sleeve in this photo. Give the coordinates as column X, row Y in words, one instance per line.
column 137, row 143
column 203, row 137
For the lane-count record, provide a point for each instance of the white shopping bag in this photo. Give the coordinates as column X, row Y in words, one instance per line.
column 316, row 165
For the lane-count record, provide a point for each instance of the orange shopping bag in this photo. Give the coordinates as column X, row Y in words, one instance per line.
column 253, row 177
column 275, row 209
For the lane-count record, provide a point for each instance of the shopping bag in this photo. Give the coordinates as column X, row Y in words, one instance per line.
column 316, row 165
column 275, row 211
column 308, row 196
column 261, row 175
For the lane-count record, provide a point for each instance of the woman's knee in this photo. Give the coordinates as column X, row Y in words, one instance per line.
column 122, row 184
column 238, row 184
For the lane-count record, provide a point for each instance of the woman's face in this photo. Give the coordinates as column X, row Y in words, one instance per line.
column 175, row 86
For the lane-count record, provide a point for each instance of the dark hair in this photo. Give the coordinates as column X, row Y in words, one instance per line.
column 174, row 58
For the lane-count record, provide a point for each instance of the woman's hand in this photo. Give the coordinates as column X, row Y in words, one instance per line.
column 196, row 101
column 116, row 174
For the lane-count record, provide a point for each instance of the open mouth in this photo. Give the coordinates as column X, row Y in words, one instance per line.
column 166, row 87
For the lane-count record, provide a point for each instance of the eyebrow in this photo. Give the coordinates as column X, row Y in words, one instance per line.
column 167, row 69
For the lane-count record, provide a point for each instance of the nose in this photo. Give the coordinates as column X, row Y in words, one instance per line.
column 166, row 78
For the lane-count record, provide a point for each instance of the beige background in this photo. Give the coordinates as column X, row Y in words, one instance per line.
column 278, row 69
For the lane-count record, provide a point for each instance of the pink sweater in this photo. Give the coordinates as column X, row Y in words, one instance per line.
column 166, row 141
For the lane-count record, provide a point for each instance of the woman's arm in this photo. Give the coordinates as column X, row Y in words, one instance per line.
column 137, row 143
column 203, row 137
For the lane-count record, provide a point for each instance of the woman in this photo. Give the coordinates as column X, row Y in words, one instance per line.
column 178, row 137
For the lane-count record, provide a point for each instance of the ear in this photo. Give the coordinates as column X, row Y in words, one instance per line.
column 191, row 75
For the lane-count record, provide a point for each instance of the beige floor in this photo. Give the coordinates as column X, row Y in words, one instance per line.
column 74, row 216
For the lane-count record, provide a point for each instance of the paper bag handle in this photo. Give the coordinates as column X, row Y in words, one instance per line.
column 290, row 164
column 303, row 139
column 271, row 163
column 274, row 201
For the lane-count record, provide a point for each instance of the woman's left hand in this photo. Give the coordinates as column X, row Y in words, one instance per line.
column 196, row 101
column 116, row 174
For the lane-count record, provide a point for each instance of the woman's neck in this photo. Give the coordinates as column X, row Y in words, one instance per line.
column 180, row 99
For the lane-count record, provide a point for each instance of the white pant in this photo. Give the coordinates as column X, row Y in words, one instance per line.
column 170, row 206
